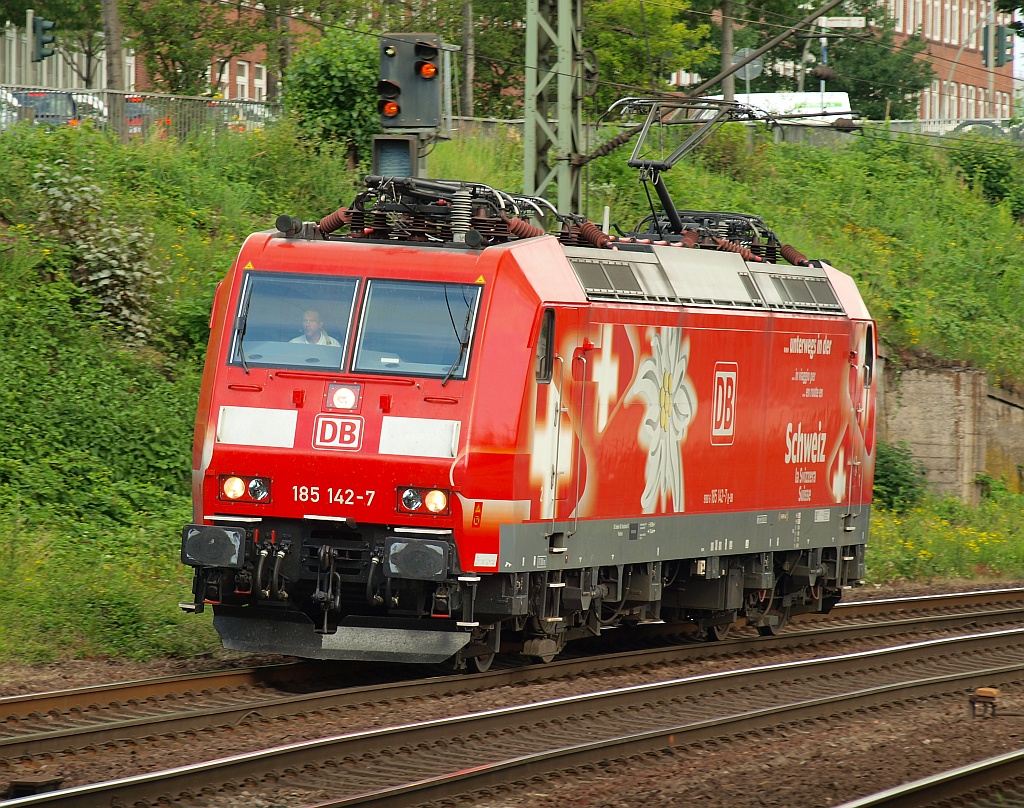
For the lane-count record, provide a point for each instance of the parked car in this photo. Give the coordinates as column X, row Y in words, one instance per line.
column 139, row 115
column 49, row 107
column 8, row 110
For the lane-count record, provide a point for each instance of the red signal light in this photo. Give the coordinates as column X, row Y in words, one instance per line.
column 389, row 109
column 426, row 70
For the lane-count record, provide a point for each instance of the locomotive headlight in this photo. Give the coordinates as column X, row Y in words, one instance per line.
column 259, row 488
column 436, row 501
column 237, row 488
column 233, row 487
column 343, row 396
column 412, row 499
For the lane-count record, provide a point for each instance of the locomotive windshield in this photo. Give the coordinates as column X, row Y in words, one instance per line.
column 287, row 320
column 416, row 329
column 304, row 321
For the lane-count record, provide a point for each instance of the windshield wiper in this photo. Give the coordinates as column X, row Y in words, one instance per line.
column 463, row 339
column 463, row 344
column 243, row 321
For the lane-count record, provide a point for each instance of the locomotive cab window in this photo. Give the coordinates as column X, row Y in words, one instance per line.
column 545, row 347
column 295, row 321
column 869, row 357
column 410, row 328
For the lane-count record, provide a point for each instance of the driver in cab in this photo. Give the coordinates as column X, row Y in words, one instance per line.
column 313, row 331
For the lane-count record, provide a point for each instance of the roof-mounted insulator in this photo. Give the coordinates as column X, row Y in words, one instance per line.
column 523, row 229
column 743, row 252
column 333, row 221
column 794, row 256
column 689, row 238
column 591, row 233
column 461, row 215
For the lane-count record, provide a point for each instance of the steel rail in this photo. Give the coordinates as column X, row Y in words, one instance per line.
column 979, row 597
column 653, row 698
column 956, row 783
column 206, row 717
column 63, row 700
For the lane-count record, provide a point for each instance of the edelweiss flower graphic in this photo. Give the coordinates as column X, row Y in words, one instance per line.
column 671, row 404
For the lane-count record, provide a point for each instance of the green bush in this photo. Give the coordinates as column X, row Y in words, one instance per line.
column 330, row 89
column 899, row 477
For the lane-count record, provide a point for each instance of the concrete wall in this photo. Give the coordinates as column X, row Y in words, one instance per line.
column 1004, row 432
column 955, row 424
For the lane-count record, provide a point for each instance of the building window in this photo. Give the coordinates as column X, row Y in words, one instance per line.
column 242, row 80
column 129, row 69
column 259, row 82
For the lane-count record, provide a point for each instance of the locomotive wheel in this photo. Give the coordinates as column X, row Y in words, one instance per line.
column 776, row 629
column 480, row 664
column 717, row 633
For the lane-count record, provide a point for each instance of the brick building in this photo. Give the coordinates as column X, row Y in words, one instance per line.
column 954, row 31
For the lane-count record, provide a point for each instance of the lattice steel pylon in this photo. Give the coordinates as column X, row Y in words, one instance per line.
column 555, row 66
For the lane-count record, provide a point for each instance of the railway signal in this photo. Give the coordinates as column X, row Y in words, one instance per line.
column 41, row 40
column 409, row 90
column 1003, row 39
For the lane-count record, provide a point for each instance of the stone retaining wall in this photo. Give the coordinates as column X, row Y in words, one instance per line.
column 957, row 425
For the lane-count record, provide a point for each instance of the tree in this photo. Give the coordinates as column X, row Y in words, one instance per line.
column 884, row 80
column 179, row 40
column 878, row 74
column 499, row 73
column 79, row 30
column 639, row 47
column 331, row 89
column 737, row 24
column 635, row 52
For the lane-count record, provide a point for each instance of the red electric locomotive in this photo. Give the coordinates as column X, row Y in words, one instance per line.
column 446, row 433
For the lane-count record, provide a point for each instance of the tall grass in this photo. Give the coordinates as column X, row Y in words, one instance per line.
column 944, row 538
column 491, row 156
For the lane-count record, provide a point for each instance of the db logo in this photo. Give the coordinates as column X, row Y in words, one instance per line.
column 336, row 432
column 723, row 417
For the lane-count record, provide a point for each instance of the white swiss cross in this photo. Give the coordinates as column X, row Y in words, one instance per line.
column 542, row 455
column 606, row 376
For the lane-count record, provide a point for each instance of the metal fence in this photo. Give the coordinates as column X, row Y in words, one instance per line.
column 159, row 115
column 145, row 114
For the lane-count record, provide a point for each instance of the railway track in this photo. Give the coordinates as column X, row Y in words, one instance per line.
column 239, row 703
column 420, row 761
column 997, row 782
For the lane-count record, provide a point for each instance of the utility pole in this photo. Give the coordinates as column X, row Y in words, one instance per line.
column 469, row 51
column 30, row 42
column 112, row 47
column 729, row 81
column 990, row 33
column 554, row 72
